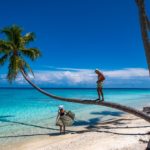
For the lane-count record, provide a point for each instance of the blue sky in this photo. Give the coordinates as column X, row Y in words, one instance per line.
column 80, row 35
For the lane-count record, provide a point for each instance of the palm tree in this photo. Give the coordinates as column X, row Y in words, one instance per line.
column 14, row 48
column 145, row 28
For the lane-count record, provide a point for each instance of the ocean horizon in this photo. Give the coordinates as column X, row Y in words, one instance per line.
column 72, row 88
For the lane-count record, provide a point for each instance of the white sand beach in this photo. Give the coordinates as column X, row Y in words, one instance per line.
column 122, row 133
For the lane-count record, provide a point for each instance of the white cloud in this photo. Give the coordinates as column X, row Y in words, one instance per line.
column 127, row 73
column 68, row 77
column 72, row 77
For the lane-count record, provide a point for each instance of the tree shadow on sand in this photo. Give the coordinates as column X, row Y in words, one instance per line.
column 90, row 122
column 109, row 113
column 77, row 123
column 118, row 133
column 91, row 126
column 30, row 135
column 102, row 126
column 97, row 120
column 25, row 124
column 5, row 119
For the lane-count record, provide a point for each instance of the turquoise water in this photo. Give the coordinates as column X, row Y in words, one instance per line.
column 26, row 112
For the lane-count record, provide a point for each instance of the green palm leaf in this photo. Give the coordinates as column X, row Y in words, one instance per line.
column 25, row 66
column 32, row 53
column 5, row 46
column 3, row 59
column 14, row 48
column 13, row 34
column 29, row 37
column 13, row 69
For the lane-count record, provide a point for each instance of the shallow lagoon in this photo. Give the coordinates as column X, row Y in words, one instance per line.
column 26, row 112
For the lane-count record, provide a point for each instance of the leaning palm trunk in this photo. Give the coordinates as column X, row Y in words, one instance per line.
column 145, row 28
column 91, row 102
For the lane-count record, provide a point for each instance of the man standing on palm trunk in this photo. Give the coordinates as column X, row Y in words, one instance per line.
column 100, row 80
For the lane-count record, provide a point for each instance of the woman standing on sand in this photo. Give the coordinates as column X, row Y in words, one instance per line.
column 100, row 80
column 64, row 118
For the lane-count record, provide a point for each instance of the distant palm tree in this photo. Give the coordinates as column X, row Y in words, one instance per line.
column 14, row 49
column 145, row 28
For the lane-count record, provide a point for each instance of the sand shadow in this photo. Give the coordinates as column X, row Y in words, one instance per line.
column 24, row 135
column 127, row 127
column 102, row 128
column 110, row 113
column 36, row 134
column 118, row 133
column 91, row 127
column 2, row 119
column 90, row 122
column 77, row 123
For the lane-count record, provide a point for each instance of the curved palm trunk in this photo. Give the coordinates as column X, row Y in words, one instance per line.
column 145, row 28
column 91, row 102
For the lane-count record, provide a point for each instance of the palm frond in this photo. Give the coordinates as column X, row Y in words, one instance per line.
column 27, row 66
column 3, row 59
column 13, row 34
column 32, row 53
column 29, row 37
column 13, row 68
column 23, row 65
column 5, row 47
column 7, row 33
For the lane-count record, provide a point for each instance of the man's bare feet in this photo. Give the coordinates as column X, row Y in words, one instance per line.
column 98, row 100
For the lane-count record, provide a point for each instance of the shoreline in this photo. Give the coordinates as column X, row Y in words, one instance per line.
column 124, row 132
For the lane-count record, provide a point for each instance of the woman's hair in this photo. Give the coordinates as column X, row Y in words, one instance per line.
column 96, row 70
